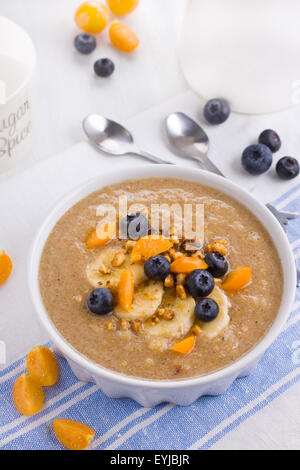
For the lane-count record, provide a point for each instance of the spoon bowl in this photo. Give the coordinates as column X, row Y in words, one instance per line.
column 113, row 139
column 109, row 136
column 186, row 136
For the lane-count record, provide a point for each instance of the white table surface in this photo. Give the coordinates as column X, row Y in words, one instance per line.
column 68, row 90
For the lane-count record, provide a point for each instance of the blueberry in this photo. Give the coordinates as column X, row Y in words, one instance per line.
column 134, row 226
column 206, row 310
column 104, row 67
column 216, row 111
column 100, row 301
column 217, row 264
column 257, row 159
column 287, row 168
column 271, row 139
column 85, row 43
column 200, row 283
column 157, row 268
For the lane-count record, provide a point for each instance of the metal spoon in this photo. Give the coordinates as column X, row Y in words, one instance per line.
column 189, row 140
column 114, row 139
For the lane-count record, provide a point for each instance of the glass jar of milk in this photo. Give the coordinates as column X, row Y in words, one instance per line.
column 247, row 51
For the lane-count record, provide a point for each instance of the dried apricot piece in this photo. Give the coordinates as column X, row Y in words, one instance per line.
column 187, row 264
column 101, row 235
column 122, row 37
column 185, row 346
column 5, row 267
column 237, row 279
column 149, row 246
column 42, row 365
column 92, row 17
column 28, row 395
column 126, row 289
column 73, row 434
column 122, row 7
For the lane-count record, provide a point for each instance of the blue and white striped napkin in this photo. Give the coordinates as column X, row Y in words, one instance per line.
column 123, row 424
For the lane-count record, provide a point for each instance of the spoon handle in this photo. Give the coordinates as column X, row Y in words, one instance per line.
column 207, row 164
column 151, row 157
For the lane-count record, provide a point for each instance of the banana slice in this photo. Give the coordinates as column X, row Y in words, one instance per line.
column 165, row 331
column 146, row 300
column 215, row 327
column 112, row 277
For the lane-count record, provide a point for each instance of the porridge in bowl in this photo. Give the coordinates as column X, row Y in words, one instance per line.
column 157, row 305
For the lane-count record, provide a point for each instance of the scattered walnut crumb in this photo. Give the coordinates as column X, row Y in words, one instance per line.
column 180, row 278
column 137, row 325
column 129, row 244
column 103, row 269
column 155, row 319
column 169, row 281
column 168, row 258
column 219, row 246
column 244, row 329
column 77, row 298
column 124, row 363
column 118, row 259
column 168, row 314
column 180, row 292
column 199, row 254
column 125, row 324
column 174, row 239
column 218, row 280
column 196, row 330
column 110, row 326
column 178, row 254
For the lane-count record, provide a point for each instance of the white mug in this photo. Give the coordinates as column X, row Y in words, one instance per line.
column 17, row 94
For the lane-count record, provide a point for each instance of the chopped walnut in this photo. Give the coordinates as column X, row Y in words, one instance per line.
column 118, row 259
column 219, row 246
column 129, row 244
column 155, row 319
column 196, row 330
column 180, row 292
column 103, row 269
column 168, row 258
column 125, row 324
column 169, row 281
column 124, row 363
column 168, row 314
column 77, row 298
column 218, row 280
column 110, row 326
column 198, row 254
column 137, row 325
column 180, row 278
column 178, row 254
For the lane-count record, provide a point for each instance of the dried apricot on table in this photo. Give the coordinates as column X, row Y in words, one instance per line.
column 92, row 17
column 149, row 246
column 101, row 235
column 122, row 37
column 122, row 7
column 187, row 264
column 185, row 346
column 237, row 279
column 28, row 395
column 42, row 366
column 5, row 267
column 73, row 434
column 126, row 289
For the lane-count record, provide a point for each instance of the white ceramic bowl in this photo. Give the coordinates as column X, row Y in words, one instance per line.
column 152, row 392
